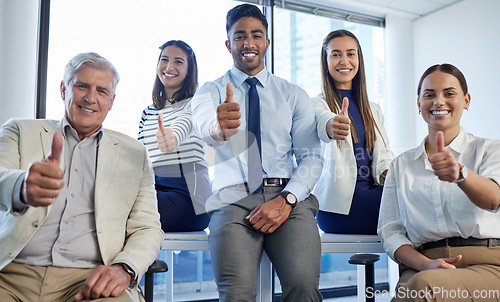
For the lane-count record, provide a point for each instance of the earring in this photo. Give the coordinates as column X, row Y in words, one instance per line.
column 419, row 111
column 467, row 108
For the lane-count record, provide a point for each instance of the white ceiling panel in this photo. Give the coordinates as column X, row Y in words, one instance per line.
column 420, row 7
column 444, row 2
column 413, row 9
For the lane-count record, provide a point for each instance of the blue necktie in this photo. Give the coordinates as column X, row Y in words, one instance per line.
column 253, row 127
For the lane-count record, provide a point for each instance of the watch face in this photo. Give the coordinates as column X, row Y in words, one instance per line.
column 291, row 198
column 464, row 172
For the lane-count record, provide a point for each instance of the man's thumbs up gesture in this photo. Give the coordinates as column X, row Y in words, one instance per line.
column 44, row 178
column 339, row 126
column 445, row 166
column 228, row 114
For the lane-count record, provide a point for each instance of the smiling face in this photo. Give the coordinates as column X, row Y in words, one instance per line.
column 172, row 69
column 441, row 101
column 88, row 97
column 248, row 45
column 343, row 61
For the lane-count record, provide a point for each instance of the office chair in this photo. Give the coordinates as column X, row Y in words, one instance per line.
column 368, row 260
column 159, row 266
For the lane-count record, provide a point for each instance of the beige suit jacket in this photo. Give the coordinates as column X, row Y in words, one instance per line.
column 127, row 219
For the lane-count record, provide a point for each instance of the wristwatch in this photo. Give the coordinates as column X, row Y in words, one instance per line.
column 129, row 271
column 289, row 198
column 462, row 174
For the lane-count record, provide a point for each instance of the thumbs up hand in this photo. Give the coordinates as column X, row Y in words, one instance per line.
column 339, row 126
column 165, row 137
column 345, row 107
column 44, row 179
column 228, row 114
column 446, row 168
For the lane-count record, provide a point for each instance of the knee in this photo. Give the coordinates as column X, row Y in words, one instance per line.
column 422, row 280
column 300, row 289
column 236, row 291
column 418, row 288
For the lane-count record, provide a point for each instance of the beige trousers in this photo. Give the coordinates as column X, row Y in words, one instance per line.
column 21, row 282
column 477, row 277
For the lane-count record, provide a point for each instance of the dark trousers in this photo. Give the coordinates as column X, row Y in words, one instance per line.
column 176, row 207
column 363, row 216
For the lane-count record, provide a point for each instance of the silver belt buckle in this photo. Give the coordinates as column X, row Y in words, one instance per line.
column 270, row 184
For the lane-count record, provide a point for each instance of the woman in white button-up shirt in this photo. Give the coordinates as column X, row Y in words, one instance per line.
column 439, row 216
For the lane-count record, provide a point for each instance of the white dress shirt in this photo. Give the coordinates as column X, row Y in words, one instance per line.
column 417, row 207
column 288, row 132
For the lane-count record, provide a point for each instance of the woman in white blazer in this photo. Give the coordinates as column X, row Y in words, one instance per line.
column 354, row 143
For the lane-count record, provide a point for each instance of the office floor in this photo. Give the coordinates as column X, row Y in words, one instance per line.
column 194, row 297
column 209, row 292
column 355, row 299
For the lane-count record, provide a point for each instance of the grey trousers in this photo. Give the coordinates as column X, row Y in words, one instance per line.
column 294, row 249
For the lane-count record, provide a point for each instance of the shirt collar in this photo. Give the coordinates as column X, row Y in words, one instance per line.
column 239, row 76
column 458, row 144
column 68, row 129
column 420, row 150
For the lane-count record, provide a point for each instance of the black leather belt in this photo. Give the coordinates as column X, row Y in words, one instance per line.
column 459, row 241
column 275, row 182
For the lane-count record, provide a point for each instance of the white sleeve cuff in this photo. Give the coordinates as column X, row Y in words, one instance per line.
column 215, row 131
column 18, row 205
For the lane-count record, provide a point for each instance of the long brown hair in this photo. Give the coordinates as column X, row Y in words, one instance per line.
column 190, row 82
column 332, row 94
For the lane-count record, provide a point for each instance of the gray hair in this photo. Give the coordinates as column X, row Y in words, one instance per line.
column 89, row 59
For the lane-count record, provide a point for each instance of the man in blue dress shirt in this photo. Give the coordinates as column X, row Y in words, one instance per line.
column 277, row 212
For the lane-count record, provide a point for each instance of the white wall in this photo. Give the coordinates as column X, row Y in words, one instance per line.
column 400, row 110
column 465, row 35
column 18, row 50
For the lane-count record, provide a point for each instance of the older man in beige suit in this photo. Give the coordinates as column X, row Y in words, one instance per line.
column 78, row 213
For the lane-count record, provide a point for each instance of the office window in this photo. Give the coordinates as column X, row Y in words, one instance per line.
column 298, row 38
column 297, row 50
column 129, row 33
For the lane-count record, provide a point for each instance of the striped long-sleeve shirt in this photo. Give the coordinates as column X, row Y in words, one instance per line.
column 177, row 117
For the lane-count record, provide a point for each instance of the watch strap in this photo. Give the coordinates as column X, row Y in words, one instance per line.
column 462, row 174
column 129, row 271
column 285, row 195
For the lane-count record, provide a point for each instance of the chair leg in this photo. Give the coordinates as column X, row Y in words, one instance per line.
column 368, row 261
column 148, row 286
column 158, row 266
column 369, row 281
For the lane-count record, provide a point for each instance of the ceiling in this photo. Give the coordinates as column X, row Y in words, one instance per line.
column 412, row 9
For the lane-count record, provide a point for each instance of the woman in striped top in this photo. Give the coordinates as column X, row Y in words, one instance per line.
column 176, row 152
